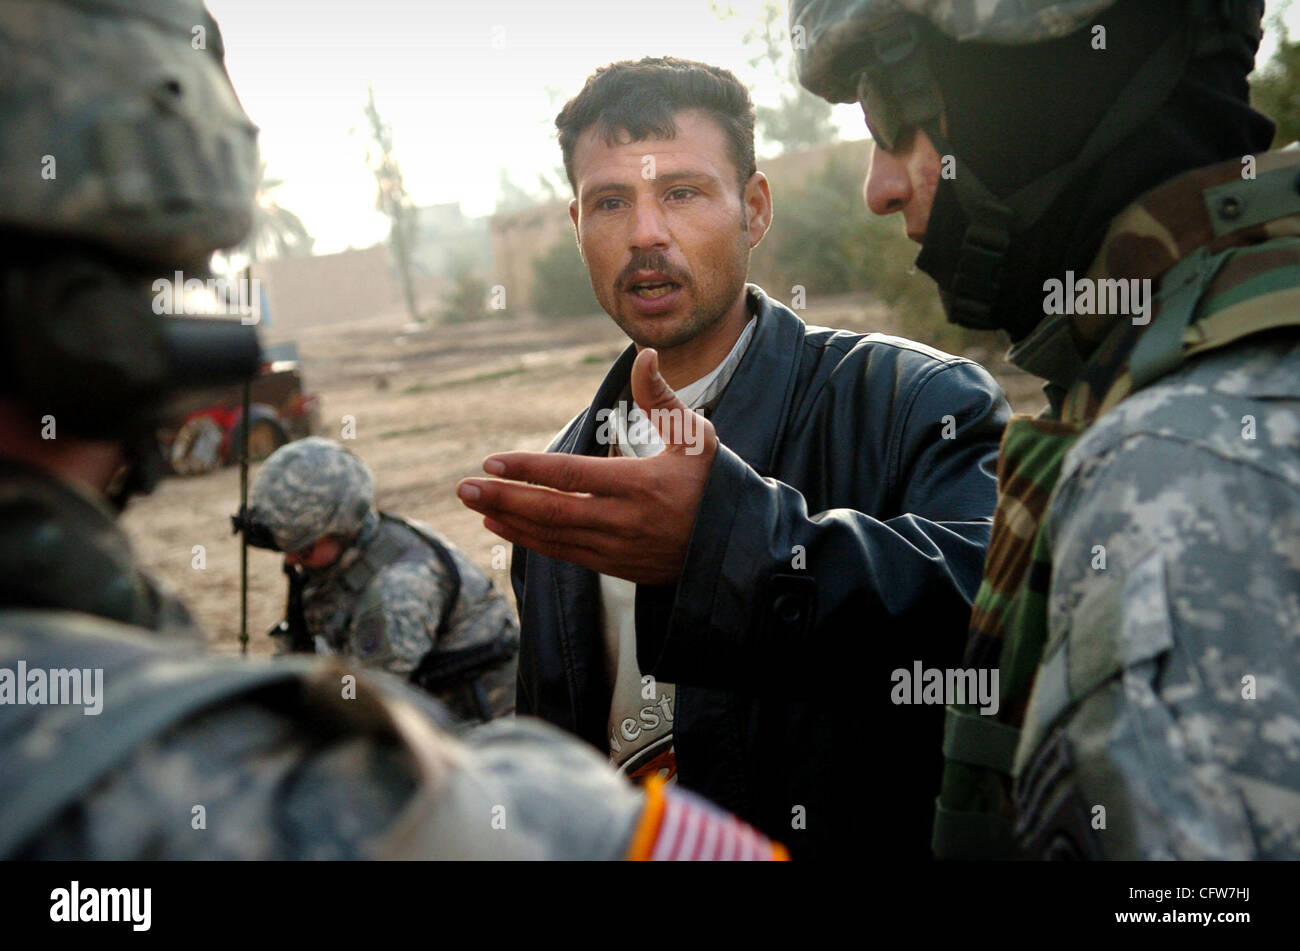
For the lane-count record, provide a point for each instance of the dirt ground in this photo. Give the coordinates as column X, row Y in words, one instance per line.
column 428, row 404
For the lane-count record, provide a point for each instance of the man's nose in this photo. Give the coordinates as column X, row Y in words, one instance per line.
column 888, row 187
column 649, row 226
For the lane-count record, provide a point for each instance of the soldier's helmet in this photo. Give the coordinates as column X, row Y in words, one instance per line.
column 119, row 127
column 307, row 490
column 124, row 156
column 877, row 52
column 833, row 38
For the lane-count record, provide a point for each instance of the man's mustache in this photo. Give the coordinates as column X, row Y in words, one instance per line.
column 655, row 261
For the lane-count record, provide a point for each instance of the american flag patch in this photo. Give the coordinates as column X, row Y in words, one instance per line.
column 680, row 826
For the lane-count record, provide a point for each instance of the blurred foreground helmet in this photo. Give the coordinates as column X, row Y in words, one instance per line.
column 834, row 38
column 875, row 52
column 119, row 127
column 125, row 157
column 305, row 491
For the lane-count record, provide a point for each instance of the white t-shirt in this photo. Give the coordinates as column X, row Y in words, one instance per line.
column 641, row 711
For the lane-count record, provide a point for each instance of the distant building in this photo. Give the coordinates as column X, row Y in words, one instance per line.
column 351, row 285
column 327, row 288
column 519, row 237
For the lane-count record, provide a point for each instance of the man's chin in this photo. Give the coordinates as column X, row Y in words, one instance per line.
column 662, row 342
column 662, row 332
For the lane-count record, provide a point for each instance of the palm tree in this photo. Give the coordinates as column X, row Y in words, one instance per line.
column 393, row 200
column 277, row 231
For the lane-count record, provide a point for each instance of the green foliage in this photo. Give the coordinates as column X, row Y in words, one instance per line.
column 825, row 240
column 277, row 231
column 816, row 239
column 1275, row 89
column 467, row 300
column 799, row 119
column 561, row 286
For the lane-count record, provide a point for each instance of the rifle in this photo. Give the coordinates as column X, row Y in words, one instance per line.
column 293, row 628
column 441, row 670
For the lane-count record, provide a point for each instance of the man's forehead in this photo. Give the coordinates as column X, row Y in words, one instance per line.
column 699, row 141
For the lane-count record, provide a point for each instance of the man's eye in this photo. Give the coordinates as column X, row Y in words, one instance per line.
column 678, row 193
column 608, row 204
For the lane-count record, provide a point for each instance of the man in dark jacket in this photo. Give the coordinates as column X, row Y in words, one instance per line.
column 792, row 514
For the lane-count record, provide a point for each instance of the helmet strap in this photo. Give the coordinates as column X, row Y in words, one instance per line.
column 977, row 281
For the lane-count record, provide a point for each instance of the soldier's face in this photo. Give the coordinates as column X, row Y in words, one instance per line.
column 903, row 182
column 665, row 230
column 321, row 553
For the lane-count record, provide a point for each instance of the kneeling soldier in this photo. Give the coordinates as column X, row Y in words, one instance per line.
column 372, row 585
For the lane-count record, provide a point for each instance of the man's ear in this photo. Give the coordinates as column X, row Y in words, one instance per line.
column 758, row 207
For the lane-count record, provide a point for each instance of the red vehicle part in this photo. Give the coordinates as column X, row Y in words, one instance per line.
column 209, row 436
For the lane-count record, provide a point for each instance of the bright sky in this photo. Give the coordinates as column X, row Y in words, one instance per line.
column 469, row 87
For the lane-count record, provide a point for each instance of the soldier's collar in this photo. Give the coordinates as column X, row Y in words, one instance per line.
column 1240, row 201
column 1245, row 200
column 1049, row 352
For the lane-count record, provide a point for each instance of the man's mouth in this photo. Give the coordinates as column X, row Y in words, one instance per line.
column 649, row 290
column 649, row 284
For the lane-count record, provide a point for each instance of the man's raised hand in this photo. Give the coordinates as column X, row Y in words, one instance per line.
column 630, row 518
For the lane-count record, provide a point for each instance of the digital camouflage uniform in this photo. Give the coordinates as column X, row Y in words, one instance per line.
column 190, row 756
column 59, row 547
column 1169, row 687
column 383, row 600
column 1141, row 595
column 212, row 758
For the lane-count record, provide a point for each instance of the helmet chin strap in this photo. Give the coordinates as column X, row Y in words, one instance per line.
column 971, row 291
column 972, row 294
column 140, row 474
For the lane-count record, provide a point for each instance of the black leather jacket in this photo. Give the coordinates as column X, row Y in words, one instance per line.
column 841, row 536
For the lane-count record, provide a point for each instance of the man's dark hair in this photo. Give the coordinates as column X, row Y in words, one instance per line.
column 641, row 97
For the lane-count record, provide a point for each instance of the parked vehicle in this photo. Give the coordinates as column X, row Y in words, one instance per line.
column 208, row 436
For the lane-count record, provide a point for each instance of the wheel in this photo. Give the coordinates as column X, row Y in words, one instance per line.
column 264, row 438
column 197, row 449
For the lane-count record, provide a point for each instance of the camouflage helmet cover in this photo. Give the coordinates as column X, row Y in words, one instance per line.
column 309, row 489
column 829, row 35
column 121, row 128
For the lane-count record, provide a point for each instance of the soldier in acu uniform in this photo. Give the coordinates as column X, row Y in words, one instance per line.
column 1141, row 597
column 155, row 170
column 374, row 586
